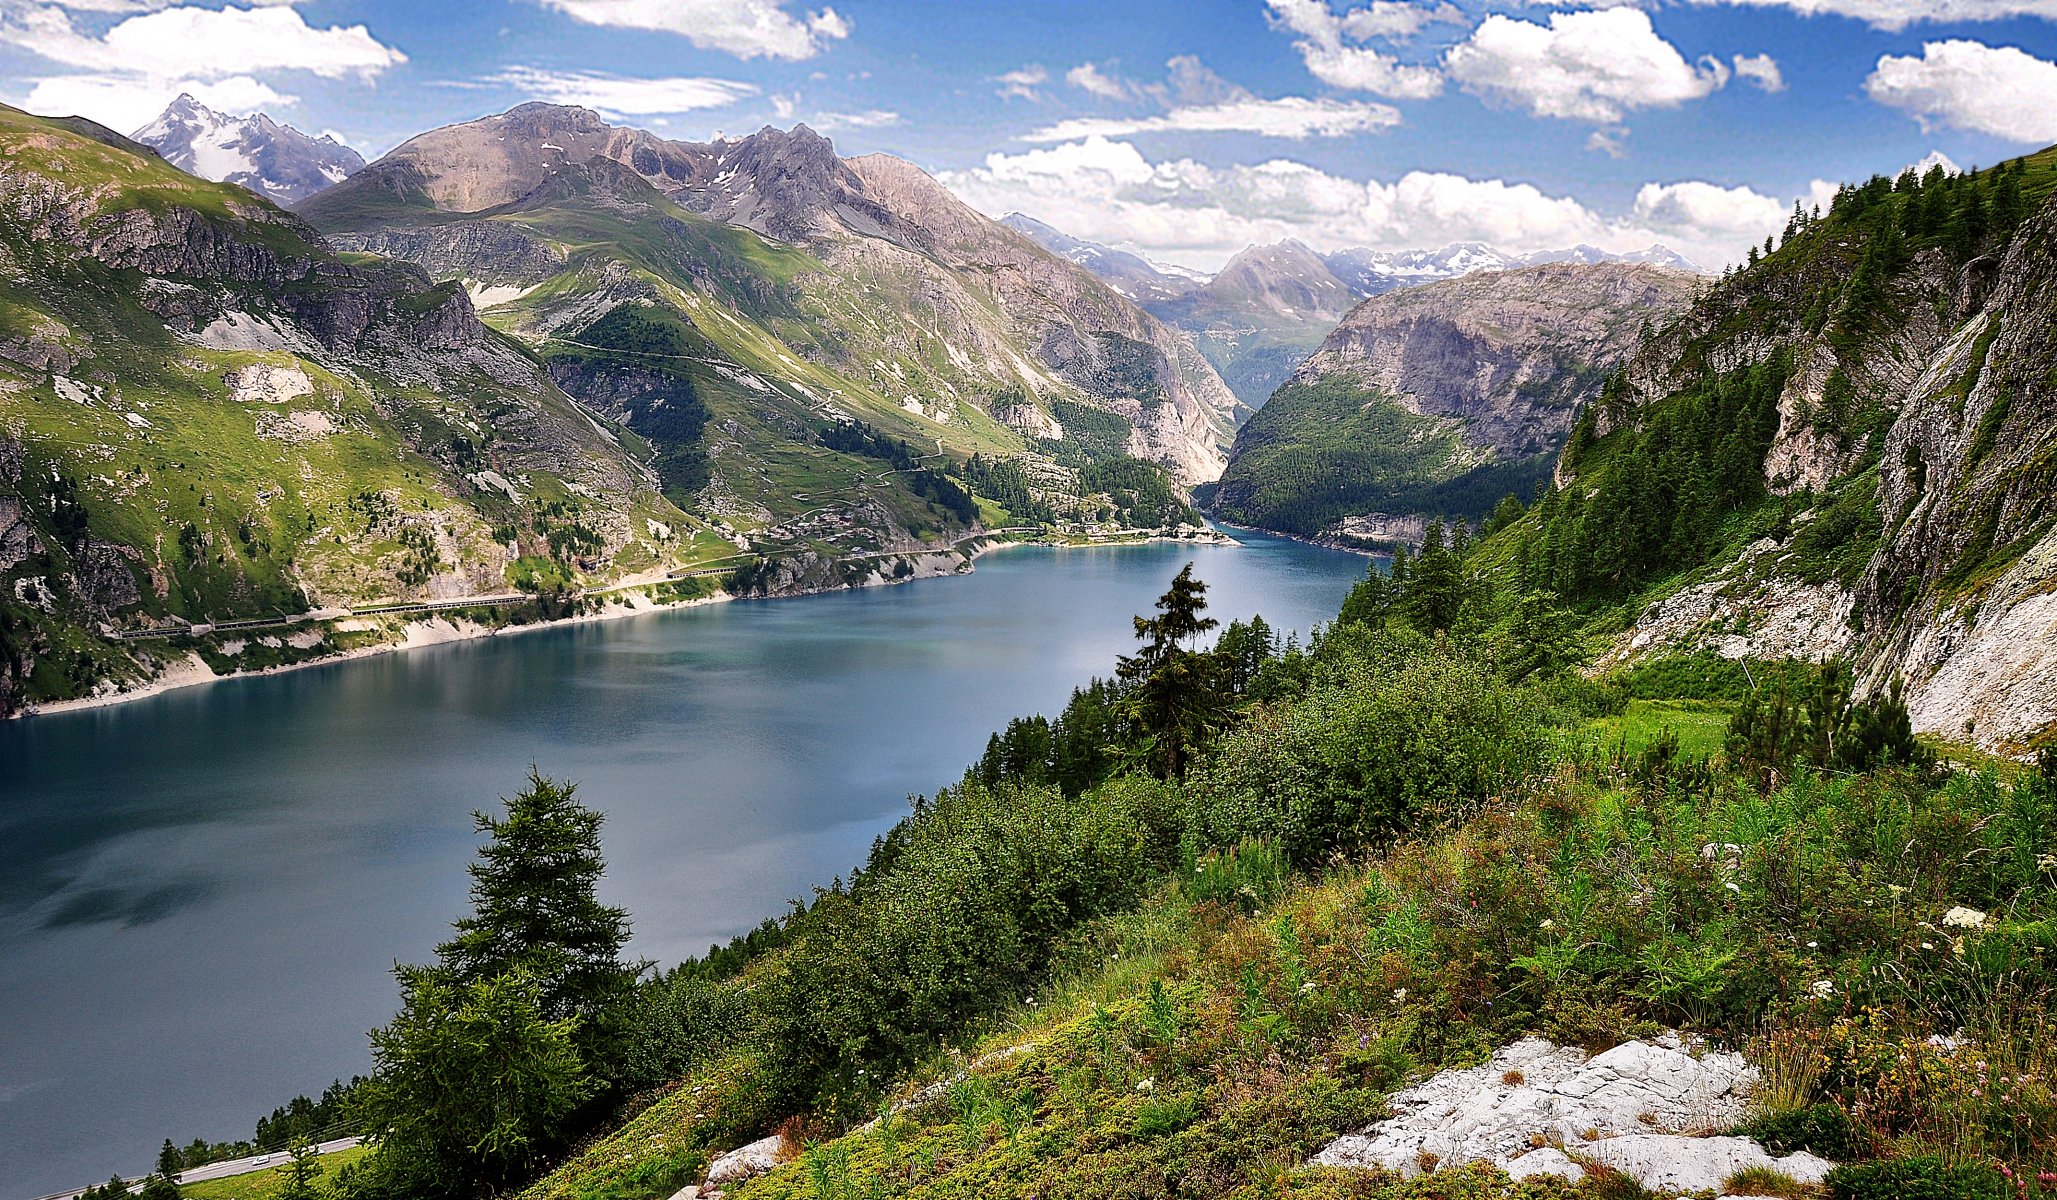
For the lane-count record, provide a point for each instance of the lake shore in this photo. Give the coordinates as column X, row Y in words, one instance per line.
column 615, row 603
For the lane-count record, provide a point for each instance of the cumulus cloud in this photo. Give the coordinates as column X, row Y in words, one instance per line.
column 1899, row 14
column 201, row 43
column 1183, row 210
column 619, row 96
column 1585, row 66
column 1023, row 82
column 128, row 103
column 1762, row 70
column 1988, row 89
column 744, row 28
column 125, row 76
column 1293, row 117
column 1333, row 48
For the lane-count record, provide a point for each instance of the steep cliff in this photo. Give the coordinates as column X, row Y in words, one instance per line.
column 1441, row 399
column 1848, row 448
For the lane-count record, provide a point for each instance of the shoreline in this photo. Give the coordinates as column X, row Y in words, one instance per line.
column 628, row 601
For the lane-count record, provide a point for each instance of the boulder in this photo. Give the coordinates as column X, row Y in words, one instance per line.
column 745, row 1162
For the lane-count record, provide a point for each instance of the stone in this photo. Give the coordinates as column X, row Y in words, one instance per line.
column 1548, row 1160
column 1672, row 1164
column 745, row 1162
column 1539, row 1107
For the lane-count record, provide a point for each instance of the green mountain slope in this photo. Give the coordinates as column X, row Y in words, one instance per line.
column 1846, row 448
column 799, row 288
column 206, row 415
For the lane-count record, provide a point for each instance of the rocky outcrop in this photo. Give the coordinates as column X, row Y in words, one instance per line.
column 1955, row 599
column 1536, row 1109
column 1513, row 354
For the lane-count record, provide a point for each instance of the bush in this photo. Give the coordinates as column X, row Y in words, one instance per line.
column 1925, row 1178
column 1822, row 1129
column 1400, row 739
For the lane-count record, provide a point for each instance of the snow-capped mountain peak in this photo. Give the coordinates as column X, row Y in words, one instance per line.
column 276, row 161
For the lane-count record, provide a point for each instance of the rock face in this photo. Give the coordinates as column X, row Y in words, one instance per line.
column 276, row 161
column 1513, row 354
column 1440, row 400
column 1536, row 1109
column 905, row 291
column 1933, row 421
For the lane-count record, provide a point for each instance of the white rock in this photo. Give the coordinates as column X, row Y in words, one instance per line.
column 745, row 1162
column 1534, row 1090
column 1669, row 1163
column 1548, row 1160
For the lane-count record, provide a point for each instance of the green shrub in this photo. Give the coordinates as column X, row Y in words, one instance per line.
column 1924, row 1178
column 1822, row 1129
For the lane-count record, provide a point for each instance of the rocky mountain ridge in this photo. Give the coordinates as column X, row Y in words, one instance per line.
column 1901, row 344
column 1439, row 400
column 984, row 333
column 275, row 161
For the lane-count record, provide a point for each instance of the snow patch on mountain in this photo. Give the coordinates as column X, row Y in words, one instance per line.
column 276, row 161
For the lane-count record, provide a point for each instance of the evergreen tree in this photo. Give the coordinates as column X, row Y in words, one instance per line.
column 1436, row 587
column 303, row 1167
column 472, row 1086
column 1173, row 697
column 535, row 905
column 1372, row 598
column 169, row 1164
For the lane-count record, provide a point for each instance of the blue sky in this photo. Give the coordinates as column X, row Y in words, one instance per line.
column 1187, row 128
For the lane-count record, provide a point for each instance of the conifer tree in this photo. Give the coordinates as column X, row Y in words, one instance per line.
column 1173, row 695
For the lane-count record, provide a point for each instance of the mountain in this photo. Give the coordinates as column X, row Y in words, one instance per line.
column 1260, row 315
column 797, row 287
column 1376, row 272
column 276, row 161
column 206, row 415
column 1132, row 275
column 1846, row 449
column 1440, row 399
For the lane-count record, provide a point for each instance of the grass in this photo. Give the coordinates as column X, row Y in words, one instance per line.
column 1701, row 726
column 261, row 1185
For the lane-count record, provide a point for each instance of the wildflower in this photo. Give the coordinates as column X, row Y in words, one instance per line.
column 1148, row 1085
column 1814, row 945
column 1733, row 888
column 1549, row 924
column 1400, row 995
column 1823, row 989
column 1308, row 986
column 1961, row 917
column 1927, row 946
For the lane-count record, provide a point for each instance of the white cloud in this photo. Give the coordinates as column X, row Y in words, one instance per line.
column 126, row 103
column 125, row 76
column 1762, row 70
column 1109, row 191
column 870, row 118
column 620, row 96
column 1586, row 66
column 1022, row 82
column 1989, row 89
column 203, row 43
column 1332, row 48
column 1898, row 14
column 1100, row 81
column 1294, row 117
column 1706, row 209
column 744, row 28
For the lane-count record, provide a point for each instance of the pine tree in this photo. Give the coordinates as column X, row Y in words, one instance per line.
column 1436, row 587
column 303, row 1167
column 1173, row 697
column 535, row 904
